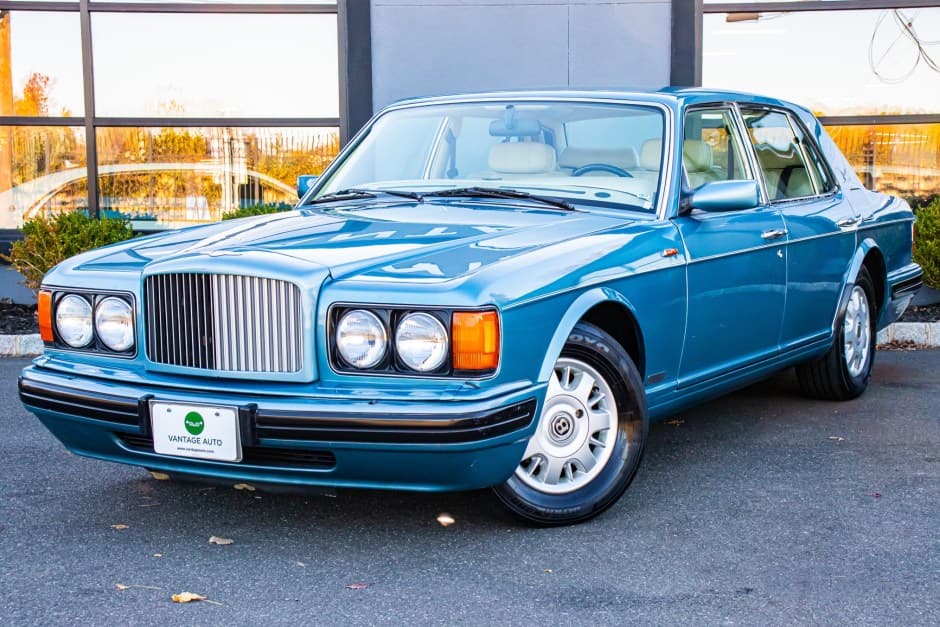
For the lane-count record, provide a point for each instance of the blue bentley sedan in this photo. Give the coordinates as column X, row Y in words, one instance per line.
column 496, row 289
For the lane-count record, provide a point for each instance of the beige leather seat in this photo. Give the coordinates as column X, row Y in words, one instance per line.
column 522, row 158
column 784, row 173
column 574, row 158
column 699, row 161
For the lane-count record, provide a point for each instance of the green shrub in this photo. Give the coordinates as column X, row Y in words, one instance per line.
column 927, row 243
column 254, row 210
column 50, row 240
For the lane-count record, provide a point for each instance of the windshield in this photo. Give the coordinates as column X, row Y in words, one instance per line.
column 599, row 154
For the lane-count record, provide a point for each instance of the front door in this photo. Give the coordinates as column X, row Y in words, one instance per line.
column 737, row 266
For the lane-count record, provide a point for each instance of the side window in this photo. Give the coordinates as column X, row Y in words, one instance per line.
column 779, row 153
column 711, row 149
column 817, row 167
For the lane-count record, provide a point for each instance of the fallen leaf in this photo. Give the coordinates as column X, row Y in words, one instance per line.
column 187, row 597
column 159, row 476
column 244, row 486
column 120, row 527
column 675, row 422
column 445, row 519
column 836, row 438
column 358, row 586
column 220, row 541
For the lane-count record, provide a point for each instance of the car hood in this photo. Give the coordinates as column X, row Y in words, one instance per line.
column 420, row 240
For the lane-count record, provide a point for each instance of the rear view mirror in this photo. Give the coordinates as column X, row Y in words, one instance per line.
column 304, row 183
column 726, row 196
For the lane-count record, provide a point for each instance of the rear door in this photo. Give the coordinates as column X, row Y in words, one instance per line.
column 821, row 224
column 736, row 259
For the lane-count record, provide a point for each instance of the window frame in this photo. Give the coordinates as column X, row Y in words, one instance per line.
column 737, row 130
column 794, row 123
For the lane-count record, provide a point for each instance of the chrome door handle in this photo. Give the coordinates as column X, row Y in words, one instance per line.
column 846, row 222
column 774, row 233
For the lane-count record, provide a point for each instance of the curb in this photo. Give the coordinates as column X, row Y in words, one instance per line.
column 20, row 345
column 920, row 334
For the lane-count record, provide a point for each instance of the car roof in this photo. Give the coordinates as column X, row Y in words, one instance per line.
column 676, row 97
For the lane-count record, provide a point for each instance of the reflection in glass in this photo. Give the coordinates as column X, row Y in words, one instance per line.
column 215, row 65
column 900, row 159
column 835, row 62
column 42, row 170
column 40, row 64
column 173, row 177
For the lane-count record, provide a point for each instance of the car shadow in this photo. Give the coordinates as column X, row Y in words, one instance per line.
column 677, row 449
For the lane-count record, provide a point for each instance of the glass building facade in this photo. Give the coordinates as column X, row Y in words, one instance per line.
column 871, row 74
column 177, row 112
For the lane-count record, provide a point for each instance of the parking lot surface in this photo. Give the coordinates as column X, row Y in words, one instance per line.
column 759, row 508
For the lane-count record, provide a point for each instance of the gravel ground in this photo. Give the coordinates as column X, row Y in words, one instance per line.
column 758, row 508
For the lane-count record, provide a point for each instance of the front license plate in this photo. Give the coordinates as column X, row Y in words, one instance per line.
column 201, row 431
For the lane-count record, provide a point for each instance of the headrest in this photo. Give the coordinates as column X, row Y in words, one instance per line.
column 773, row 159
column 651, row 154
column 515, row 128
column 522, row 158
column 574, row 158
column 697, row 155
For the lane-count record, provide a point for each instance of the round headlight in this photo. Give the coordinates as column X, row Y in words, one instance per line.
column 421, row 342
column 114, row 322
column 73, row 321
column 361, row 338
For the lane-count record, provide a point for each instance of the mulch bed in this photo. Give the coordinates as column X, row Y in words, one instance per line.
column 17, row 319
column 923, row 313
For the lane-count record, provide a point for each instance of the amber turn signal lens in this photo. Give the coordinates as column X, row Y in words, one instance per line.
column 476, row 340
column 44, row 313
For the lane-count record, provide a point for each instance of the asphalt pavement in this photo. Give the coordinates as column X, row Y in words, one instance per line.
column 758, row 508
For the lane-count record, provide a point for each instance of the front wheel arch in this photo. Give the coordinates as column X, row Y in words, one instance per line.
column 608, row 310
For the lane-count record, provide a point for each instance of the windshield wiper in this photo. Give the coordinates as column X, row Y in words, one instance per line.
column 497, row 192
column 357, row 194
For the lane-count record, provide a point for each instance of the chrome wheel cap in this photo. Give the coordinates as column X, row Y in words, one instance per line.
column 576, row 430
column 856, row 332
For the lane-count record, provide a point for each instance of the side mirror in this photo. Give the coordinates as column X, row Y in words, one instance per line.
column 726, row 196
column 304, row 183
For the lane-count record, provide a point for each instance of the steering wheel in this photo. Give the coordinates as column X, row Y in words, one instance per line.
column 601, row 167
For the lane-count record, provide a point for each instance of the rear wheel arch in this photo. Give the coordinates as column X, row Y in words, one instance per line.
column 869, row 256
column 874, row 262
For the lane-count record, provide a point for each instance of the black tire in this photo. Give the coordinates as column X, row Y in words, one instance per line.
column 591, row 345
column 829, row 377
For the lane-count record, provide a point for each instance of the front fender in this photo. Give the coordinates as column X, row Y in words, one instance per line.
column 581, row 305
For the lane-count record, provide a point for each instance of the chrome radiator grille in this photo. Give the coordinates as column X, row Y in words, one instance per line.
column 223, row 322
